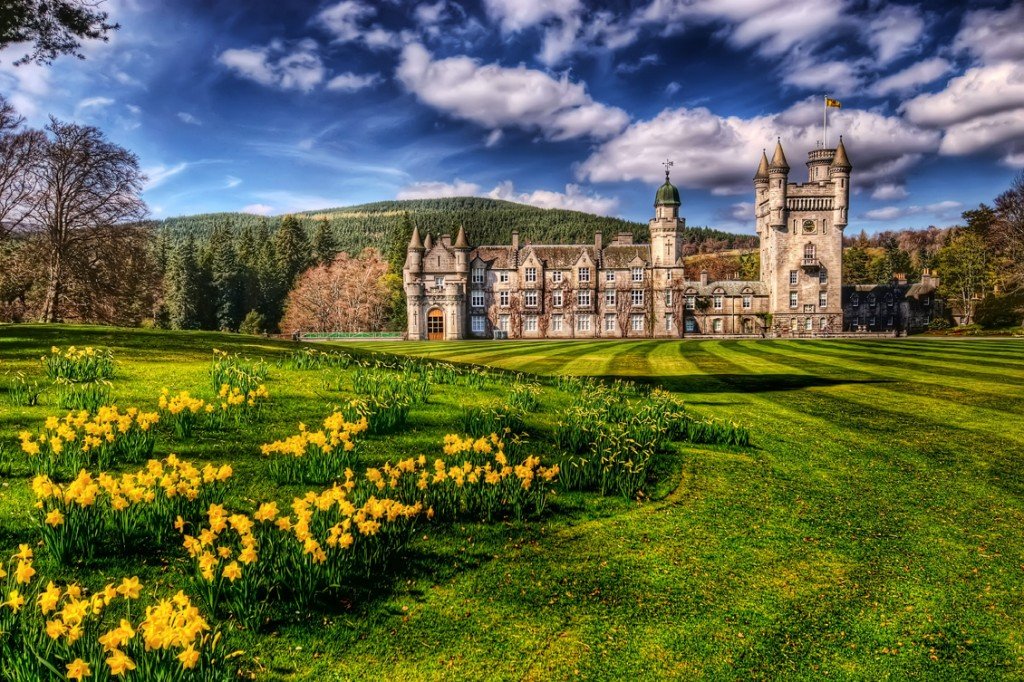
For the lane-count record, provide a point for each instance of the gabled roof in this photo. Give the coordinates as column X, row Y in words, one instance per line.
column 626, row 255
column 729, row 287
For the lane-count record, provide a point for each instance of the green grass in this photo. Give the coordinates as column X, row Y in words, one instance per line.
column 873, row 531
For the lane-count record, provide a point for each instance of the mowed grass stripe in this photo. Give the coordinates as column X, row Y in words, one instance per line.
column 928, row 351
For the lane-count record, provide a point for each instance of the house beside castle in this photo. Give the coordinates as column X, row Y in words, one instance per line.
column 619, row 289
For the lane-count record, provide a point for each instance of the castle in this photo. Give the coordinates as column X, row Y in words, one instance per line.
column 621, row 289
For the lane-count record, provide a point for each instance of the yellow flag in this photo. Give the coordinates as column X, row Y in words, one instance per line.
column 829, row 102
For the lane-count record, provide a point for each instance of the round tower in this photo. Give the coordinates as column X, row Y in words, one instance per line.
column 778, row 178
column 839, row 172
column 666, row 201
column 666, row 236
column 462, row 249
column 414, row 253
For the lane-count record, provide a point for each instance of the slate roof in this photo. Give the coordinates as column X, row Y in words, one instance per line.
column 730, row 287
column 623, row 256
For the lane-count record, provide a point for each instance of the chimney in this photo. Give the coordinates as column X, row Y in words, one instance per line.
column 624, row 238
column 900, row 277
column 704, row 277
column 928, row 278
column 598, row 242
column 515, row 240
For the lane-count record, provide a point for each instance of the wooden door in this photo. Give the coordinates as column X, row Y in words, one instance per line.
column 435, row 325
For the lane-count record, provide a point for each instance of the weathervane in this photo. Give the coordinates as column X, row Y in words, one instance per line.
column 667, row 164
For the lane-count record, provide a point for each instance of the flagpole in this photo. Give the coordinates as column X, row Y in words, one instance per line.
column 824, row 123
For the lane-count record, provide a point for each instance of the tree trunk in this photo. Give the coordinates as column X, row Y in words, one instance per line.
column 51, row 304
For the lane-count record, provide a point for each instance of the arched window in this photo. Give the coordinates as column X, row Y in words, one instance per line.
column 822, row 324
column 809, row 325
column 716, row 325
column 855, row 300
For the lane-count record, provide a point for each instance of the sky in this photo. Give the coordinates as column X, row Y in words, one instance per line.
column 275, row 107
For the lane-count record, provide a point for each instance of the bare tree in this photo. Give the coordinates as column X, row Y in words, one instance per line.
column 1008, row 232
column 19, row 159
column 86, row 184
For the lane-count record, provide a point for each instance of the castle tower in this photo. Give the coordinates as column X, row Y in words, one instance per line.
column 666, row 227
column 412, row 274
column 462, row 249
column 801, row 231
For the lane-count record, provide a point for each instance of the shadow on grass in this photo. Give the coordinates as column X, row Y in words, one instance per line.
column 743, row 383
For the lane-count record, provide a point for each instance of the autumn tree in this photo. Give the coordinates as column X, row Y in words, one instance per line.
column 347, row 295
column 85, row 185
column 963, row 271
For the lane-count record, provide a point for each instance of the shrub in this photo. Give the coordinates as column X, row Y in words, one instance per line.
column 254, row 324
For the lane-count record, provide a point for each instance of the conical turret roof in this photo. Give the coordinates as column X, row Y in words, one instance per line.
column 428, row 244
column 841, row 160
column 415, row 242
column 460, row 240
column 779, row 158
column 762, row 168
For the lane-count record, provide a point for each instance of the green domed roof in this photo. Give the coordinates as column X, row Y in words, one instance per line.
column 667, row 194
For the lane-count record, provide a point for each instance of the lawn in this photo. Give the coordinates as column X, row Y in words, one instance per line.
column 873, row 530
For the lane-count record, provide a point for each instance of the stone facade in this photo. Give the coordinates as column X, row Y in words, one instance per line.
column 621, row 289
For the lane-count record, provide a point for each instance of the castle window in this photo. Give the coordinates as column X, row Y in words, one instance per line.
column 530, row 323
column 668, row 297
column 792, row 278
column 503, row 277
column 478, row 275
column 531, row 274
column 503, row 323
column 556, row 298
column 477, row 299
column 609, row 276
column 719, row 301
column 583, row 299
column 823, row 276
column 871, row 299
column 503, row 299
column 793, row 324
column 808, row 308
column 638, row 274
column 439, row 281
column 716, row 325
column 477, row 324
column 609, row 323
column 556, row 323
column 583, row 323
column 888, row 300
column 747, row 301
column 809, row 325
column 822, row 299
column 792, row 299
column 637, row 296
column 808, row 250
column 691, row 301
column 636, row 323
column 927, row 301
column 855, row 300
column 690, row 325
column 584, row 274
column 822, row 324
column 556, row 276
column 531, row 298
column 668, row 322
column 609, row 298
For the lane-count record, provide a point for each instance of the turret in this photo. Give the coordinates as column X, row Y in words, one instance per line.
column 428, row 244
column 778, row 178
column 666, row 227
column 414, row 253
column 839, row 173
column 461, row 248
column 666, row 201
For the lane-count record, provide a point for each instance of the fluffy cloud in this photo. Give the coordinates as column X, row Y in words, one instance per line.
column 992, row 35
column 515, row 15
column 721, row 153
column 277, row 65
column 498, row 97
column 910, row 78
column 351, row 82
column 836, row 78
column 889, row 192
column 258, row 209
column 343, row 19
column 894, row 31
column 943, row 210
column 574, row 198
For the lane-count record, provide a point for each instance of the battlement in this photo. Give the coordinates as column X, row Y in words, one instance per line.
column 820, row 155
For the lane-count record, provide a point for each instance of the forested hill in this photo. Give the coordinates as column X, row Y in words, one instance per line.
column 487, row 221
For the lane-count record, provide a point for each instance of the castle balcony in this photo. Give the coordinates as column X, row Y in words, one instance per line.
column 809, row 203
column 810, row 263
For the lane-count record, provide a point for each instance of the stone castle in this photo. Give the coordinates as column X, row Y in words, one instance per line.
column 620, row 289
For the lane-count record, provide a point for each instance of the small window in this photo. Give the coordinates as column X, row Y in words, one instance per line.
column 809, row 251
column 584, row 274
column 691, row 301
column 583, row 298
column 477, row 324
column 609, row 298
column 478, row 275
column 855, row 300
column 556, row 323
column 609, row 276
column 638, row 274
column 439, row 282
column 809, row 325
column 871, row 299
column 503, row 298
column 637, row 296
column 793, row 299
column 583, row 323
column 668, row 297
column 477, row 299
column 822, row 299
column 792, row 277
column 690, row 324
column 531, row 274
column 530, row 323
column 823, row 276
column 556, row 298
column 556, row 276
column 808, row 308
column 531, row 298
column 927, row 301
column 636, row 322
column 748, row 301
column 609, row 323
column 716, row 325
column 822, row 324
column 503, row 323
column 888, row 300
column 793, row 325
column 668, row 322
column 719, row 301
column 503, row 277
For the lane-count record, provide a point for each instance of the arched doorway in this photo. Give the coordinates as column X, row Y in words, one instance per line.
column 435, row 325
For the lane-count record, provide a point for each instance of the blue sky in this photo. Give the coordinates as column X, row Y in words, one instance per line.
column 272, row 107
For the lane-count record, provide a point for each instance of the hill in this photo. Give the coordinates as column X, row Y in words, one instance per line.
column 487, row 221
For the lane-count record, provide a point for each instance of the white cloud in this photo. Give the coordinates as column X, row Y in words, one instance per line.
column 992, row 35
column 721, row 153
column 894, row 32
column 276, row 65
column 993, row 132
column 158, row 175
column 493, row 138
column 258, row 209
column 889, row 192
column 437, row 190
column 231, row 182
column 427, row 14
column 980, row 91
column 672, row 88
column 188, row 119
column 516, row 15
column 912, row 77
column 944, row 210
column 1013, row 160
column 835, row 78
column 574, row 198
column 497, row 97
column 352, row 82
column 92, row 103
column 343, row 19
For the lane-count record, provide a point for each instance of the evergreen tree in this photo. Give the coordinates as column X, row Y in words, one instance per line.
column 855, row 266
column 291, row 250
column 325, row 247
column 247, row 252
column 224, row 279
column 183, row 287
